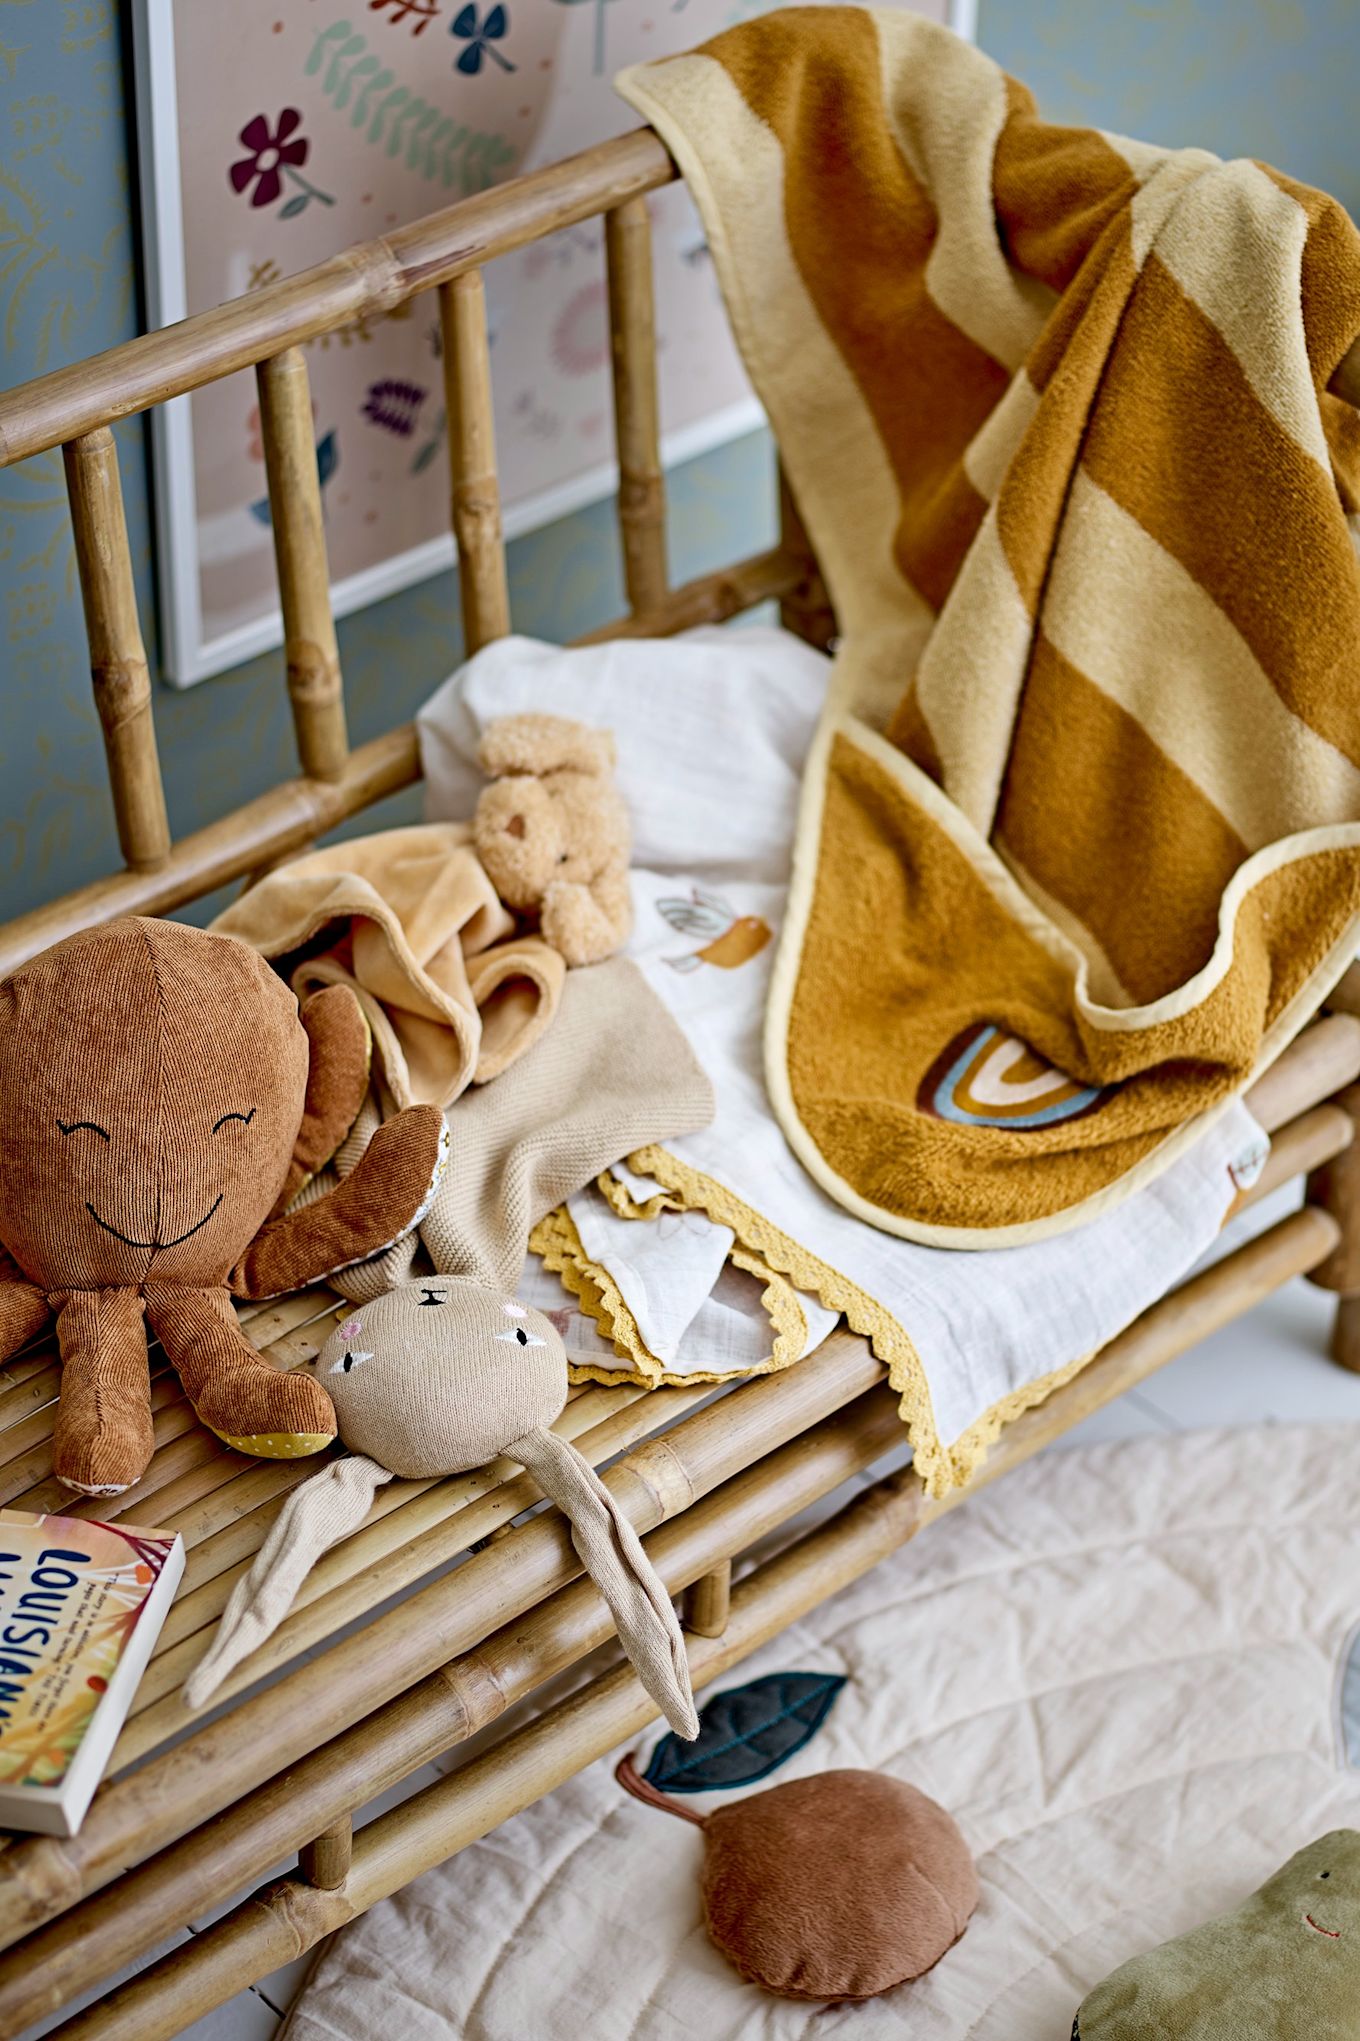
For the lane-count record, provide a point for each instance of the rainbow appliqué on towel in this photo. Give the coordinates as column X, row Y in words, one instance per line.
column 988, row 1078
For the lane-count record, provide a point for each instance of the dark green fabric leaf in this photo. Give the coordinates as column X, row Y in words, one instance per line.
column 745, row 1733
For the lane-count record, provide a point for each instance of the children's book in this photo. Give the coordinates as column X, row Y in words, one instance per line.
column 81, row 1605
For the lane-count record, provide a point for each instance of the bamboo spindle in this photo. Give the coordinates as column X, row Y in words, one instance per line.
column 472, row 459
column 708, row 1601
column 806, row 610
column 122, row 684
column 324, row 1862
column 1334, row 1185
column 312, row 655
column 632, row 336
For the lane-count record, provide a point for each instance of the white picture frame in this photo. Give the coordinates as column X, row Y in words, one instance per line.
column 196, row 645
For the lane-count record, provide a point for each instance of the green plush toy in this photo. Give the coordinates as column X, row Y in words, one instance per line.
column 1285, row 1964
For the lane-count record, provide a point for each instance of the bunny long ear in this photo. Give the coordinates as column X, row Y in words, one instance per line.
column 316, row 1516
column 612, row 1555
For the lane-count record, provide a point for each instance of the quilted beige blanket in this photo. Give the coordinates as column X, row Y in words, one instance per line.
column 1124, row 1762
column 1079, row 847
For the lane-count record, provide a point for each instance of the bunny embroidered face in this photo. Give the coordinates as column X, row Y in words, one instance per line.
column 435, row 1377
column 439, row 1375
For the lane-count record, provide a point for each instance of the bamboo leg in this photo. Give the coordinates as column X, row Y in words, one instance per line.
column 632, row 332
column 313, row 657
column 708, row 1600
column 1336, row 1188
column 805, row 611
column 472, row 458
column 324, row 1862
column 122, row 685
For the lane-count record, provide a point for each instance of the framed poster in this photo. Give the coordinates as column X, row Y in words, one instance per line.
column 273, row 133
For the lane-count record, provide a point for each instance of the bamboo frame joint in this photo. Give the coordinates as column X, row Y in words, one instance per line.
column 325, row 1861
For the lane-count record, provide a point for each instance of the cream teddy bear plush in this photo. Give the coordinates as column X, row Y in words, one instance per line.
column 552, row 832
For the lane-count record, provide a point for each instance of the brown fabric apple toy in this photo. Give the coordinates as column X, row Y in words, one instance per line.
column 162, row 1101
column 839, row 1886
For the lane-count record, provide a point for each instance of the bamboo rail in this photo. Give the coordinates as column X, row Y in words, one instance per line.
column 311, row 655
column 145, row 1809
column 122, row 684
column 291, row 815
column 364, row 280
column 412, row 1726
column 284, row 819
column 476, row 499
column 446, row 1708
column 275, row 1927
column 370, row 278
column 632, row 337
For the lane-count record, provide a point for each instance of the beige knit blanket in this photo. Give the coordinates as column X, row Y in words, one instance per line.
column 1078, row 846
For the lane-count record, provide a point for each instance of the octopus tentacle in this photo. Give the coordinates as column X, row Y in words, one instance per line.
column 337, row 1078
column 24, row 1309
column 273, row 1413
column 387, row 1193
column 102, row 1439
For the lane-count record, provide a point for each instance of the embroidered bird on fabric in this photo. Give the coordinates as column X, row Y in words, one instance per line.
column 732, row 938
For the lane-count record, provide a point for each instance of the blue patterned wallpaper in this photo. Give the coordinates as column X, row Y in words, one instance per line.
column 1274, row 78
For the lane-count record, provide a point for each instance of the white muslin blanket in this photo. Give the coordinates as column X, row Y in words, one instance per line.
column 717, row 1254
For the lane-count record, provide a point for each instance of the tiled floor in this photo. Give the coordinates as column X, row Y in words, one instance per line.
column 1267, row 1368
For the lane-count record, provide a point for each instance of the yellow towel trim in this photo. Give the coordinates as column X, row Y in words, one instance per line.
column 941, row 1468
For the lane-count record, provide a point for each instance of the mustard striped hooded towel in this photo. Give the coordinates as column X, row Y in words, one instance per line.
column 1079, row 845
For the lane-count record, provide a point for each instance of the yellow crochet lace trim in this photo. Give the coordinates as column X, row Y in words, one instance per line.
column 806, row 1271
column 558, row 1244
column 790, row 1267
column 941, row 1468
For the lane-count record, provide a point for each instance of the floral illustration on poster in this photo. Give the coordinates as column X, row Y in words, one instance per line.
column 275, row 133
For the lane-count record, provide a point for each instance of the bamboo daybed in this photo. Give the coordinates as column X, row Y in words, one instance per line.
column 181, row 1827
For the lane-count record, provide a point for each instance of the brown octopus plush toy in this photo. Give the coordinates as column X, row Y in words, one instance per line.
column 162, row 1101
column 552, row 832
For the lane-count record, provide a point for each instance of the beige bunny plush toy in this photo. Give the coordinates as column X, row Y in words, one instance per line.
column 552, row 832
column 436, row 1377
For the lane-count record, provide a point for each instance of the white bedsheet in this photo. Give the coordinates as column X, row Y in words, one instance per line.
column 711, row 730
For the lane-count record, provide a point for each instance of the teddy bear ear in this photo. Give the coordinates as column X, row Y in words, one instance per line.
column 543, row 744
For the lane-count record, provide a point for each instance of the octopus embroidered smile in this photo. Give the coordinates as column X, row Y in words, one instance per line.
column 138, row 1186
